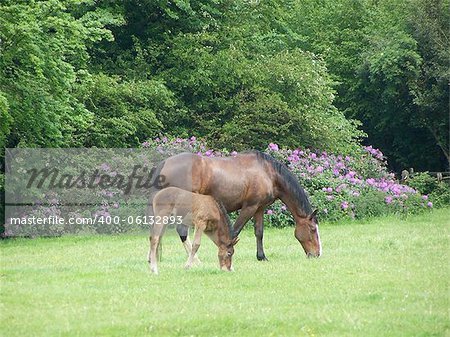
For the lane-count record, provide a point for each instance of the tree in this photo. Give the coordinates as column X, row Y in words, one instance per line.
column 428, row 22
column 124, row 112
column 44, row 50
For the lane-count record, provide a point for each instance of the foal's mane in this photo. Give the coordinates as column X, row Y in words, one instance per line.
column 290, row 181
column 224, row 215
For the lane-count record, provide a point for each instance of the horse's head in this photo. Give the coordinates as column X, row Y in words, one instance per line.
column 307, row 233
column 226, row 253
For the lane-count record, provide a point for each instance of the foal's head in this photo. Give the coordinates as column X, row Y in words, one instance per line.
column 307, row 233
column 226, row 239
column 226, row 252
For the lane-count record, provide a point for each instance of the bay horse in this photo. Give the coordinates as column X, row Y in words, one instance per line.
column 249, row 182
column 199, row 211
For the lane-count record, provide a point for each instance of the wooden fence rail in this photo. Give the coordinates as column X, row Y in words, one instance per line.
column 440, row 176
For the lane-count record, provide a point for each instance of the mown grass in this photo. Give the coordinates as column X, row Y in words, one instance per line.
column 385, row 277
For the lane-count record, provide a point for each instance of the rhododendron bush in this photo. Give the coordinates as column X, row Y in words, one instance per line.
column 340, row 187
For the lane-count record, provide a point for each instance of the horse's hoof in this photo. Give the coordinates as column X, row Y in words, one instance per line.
column 187, row 266
column 262, row 258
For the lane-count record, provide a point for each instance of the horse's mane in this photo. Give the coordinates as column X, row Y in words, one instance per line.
column 225, row 216
column 289, row 179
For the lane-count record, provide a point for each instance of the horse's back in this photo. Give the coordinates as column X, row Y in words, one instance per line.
column 234, row 181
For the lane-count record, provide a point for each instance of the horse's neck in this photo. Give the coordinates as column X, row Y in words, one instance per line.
column 221, row 237
column 290, row 200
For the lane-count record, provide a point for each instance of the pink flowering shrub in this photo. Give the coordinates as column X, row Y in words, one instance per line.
column 339, row 186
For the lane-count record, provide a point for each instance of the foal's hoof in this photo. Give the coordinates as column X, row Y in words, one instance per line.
column 261, row 258
column 187, row 266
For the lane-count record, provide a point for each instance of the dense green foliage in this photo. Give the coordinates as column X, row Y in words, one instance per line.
column 386, row 277
column 44, row 52
column 242, row 73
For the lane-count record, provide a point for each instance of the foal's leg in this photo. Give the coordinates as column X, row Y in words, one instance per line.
column 183, row 232
column 195, row 246
column 156, row 234
column 259, row 230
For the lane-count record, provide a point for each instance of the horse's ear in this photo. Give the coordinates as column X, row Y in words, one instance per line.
column 235, row 241
column 313, row 215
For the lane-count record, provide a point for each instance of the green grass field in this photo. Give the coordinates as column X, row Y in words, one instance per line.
column 385, row 277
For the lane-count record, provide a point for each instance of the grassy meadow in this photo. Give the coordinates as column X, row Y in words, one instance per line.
column 383, row 277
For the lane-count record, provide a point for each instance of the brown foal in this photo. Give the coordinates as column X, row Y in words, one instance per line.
column 203, row 213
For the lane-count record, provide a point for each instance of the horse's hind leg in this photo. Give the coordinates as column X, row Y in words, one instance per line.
column 183, row 232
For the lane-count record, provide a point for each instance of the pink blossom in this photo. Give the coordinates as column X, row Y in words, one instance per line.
column 269, row 212
column 344, row 205
column 430, row 204
column 370, row 181
column 273, row 147
column 293, row 158
column 388, row 199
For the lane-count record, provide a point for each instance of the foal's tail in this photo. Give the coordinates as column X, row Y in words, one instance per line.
column 155, row 188
column 160, row 249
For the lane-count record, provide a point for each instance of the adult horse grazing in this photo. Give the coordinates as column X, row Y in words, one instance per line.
column 248, row 182
column 200, row 211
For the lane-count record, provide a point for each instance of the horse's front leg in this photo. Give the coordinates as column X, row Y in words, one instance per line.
column 259, row 232
column 245, row 215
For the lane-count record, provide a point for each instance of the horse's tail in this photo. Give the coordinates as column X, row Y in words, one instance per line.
column 225, row 217
column 156, row 171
